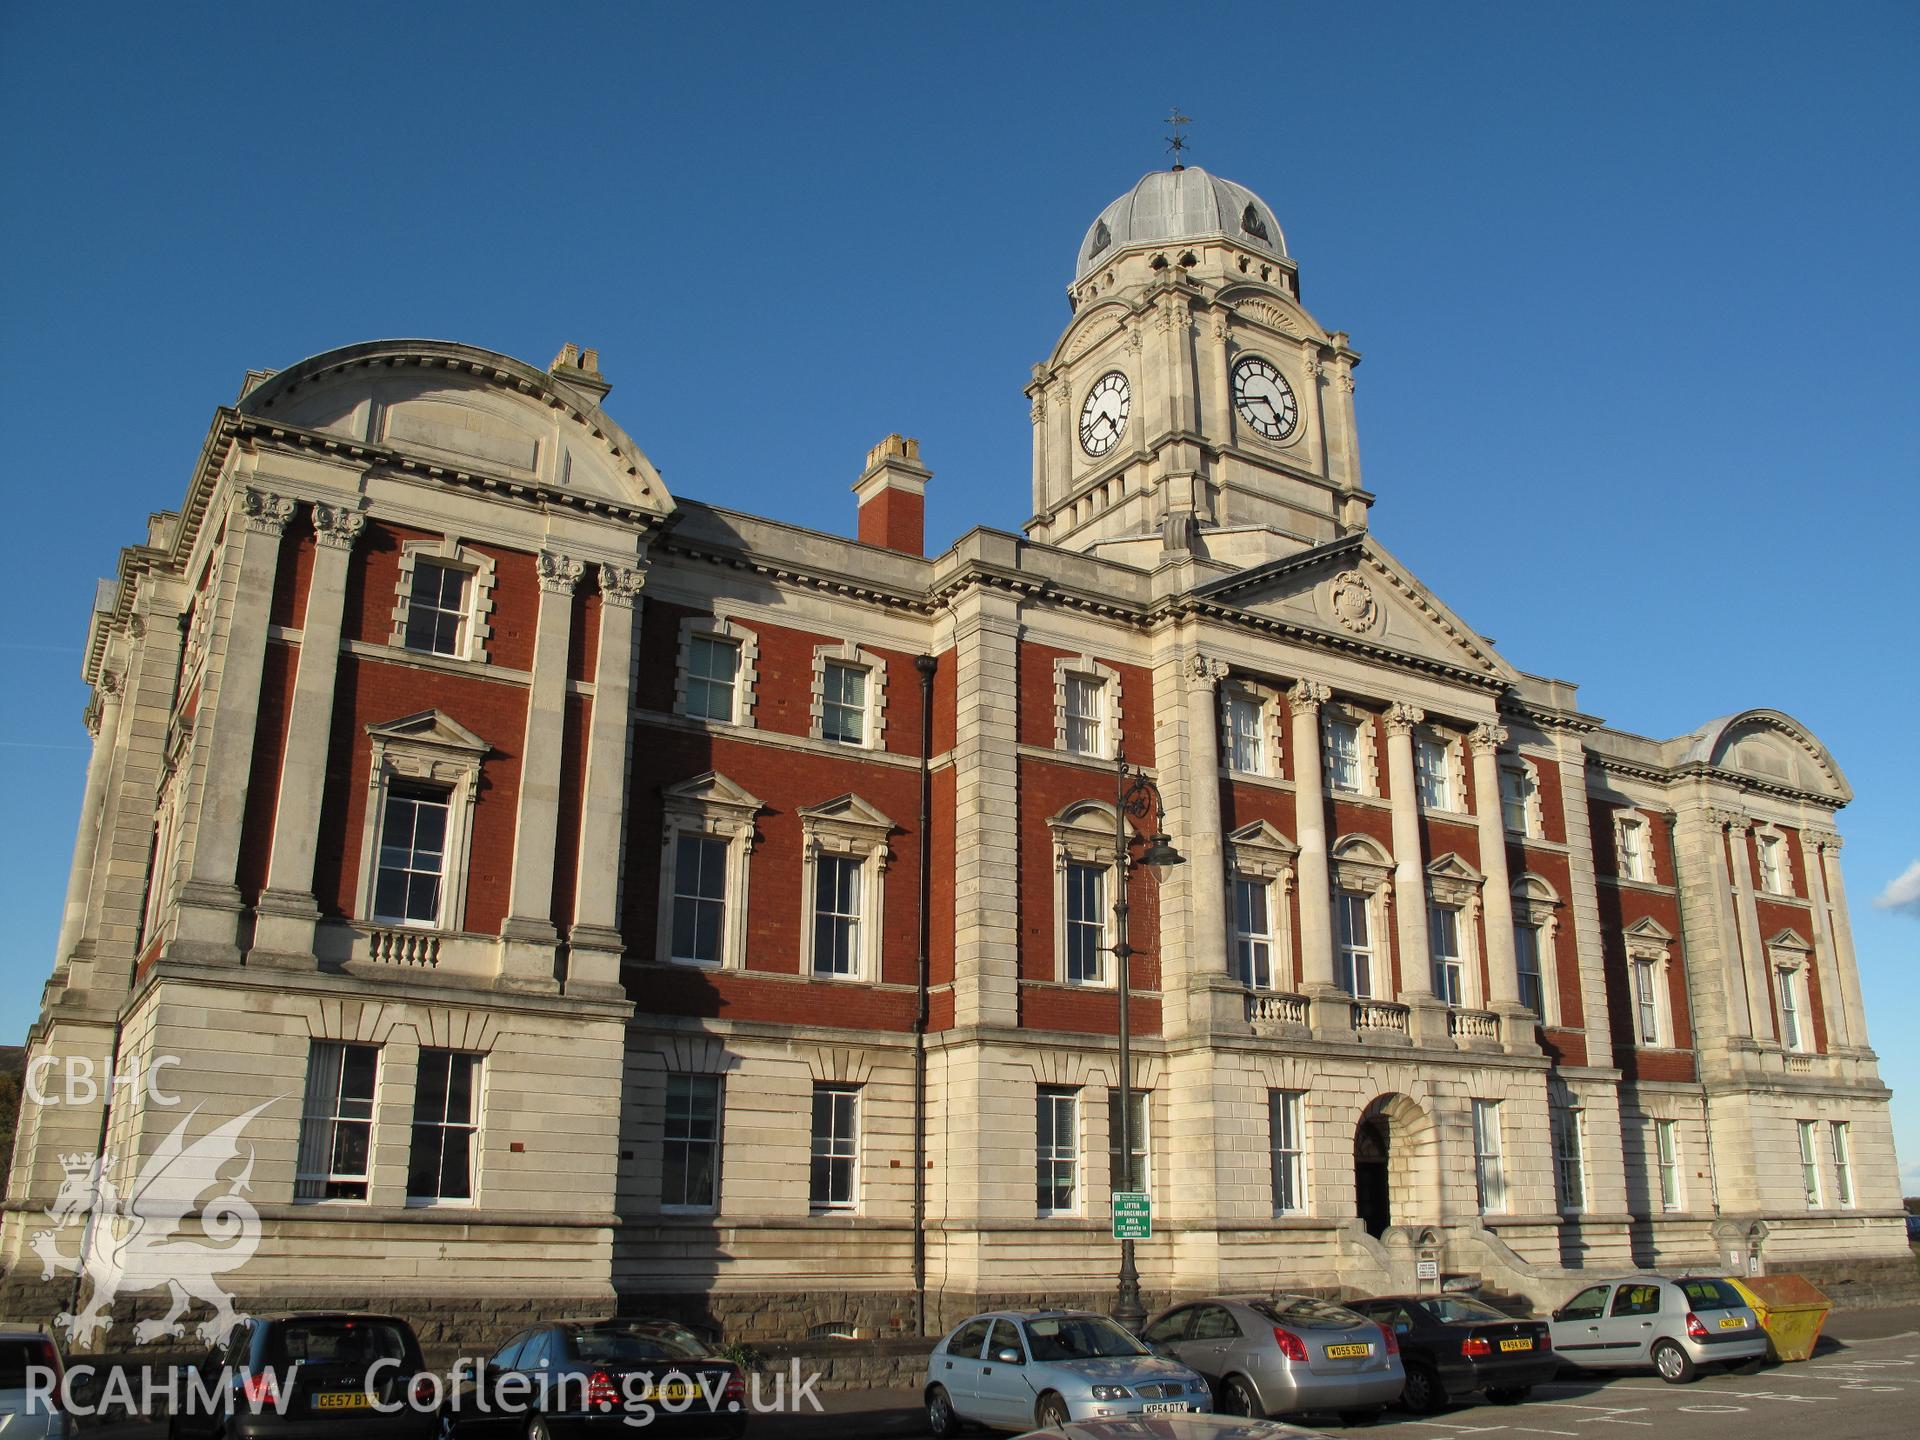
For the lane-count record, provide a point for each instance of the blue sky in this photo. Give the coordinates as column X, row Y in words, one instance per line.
column 1633, row 284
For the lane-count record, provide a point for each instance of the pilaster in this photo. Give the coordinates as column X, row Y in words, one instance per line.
column 1753, row 953
column 1847, row 963
column 208, row 917
column 528, row 936
column 103, row 720
column 287, row 911
column 1199, row 835
column 986, row 894
column 594, row 943
column 1587, row 949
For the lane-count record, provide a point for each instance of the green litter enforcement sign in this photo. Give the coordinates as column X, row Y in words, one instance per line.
column 1132, row 1215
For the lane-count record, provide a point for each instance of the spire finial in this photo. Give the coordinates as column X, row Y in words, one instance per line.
column 1177, row 142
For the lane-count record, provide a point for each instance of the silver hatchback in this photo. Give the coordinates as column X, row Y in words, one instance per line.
column 1674, row 1325
column 1283, row 1355
column 1016, row 1369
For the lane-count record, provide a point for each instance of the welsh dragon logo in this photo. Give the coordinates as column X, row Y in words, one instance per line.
column 139, row 1241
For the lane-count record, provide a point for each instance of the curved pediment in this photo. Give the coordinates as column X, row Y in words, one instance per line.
column 463, row 408
column 1767, row 748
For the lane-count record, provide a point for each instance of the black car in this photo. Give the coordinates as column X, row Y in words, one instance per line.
column 1454, row 1345
column 308, row 1377
column 605, row 1378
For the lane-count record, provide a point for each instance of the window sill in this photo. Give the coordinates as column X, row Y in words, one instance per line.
column 445, row 664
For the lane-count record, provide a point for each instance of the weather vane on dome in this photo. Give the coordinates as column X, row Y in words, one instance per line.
column 1177, row 142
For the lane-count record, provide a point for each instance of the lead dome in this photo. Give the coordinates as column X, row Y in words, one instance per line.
column 1170, row 206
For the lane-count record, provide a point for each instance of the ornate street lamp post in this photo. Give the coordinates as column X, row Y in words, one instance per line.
column 1138, row 796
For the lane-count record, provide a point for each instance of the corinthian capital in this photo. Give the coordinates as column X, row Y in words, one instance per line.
column 1486, row 739
column 1726, row 819
column 265, row 512
column 1308, row 695
column 560, row 574
column 337, row 527
column 1402, row 718
column 1821, row 839
column 620, row 585
column 1203, row 672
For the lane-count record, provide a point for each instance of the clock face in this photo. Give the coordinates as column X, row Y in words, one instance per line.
column 1264, row 399
column 1103, row 419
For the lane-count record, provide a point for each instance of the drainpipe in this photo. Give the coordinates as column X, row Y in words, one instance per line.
column 1706, row 1100
column 926, row 665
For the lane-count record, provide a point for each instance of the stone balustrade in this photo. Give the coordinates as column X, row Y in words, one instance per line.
column 1270, row 1009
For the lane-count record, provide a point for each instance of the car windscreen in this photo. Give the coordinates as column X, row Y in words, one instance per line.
column 634, row 1344
column 1305, row 1310
column 1457, row 1310
column 1079, row 1337
column 352, row 1343
column 17, row 1357
column 1711, row 1295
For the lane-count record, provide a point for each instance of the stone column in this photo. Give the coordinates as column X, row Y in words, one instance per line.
column 1845, row 961
column 1329, row 1003
column 529, row 936
column 1428, row 1020
column 1753, row 952
column 287, row 912
column 595, row 944
column 1579, row 943
column 1220, row 379
column 103, row 718
column 1199, row 829
column 207, row 927
column 1503, row 979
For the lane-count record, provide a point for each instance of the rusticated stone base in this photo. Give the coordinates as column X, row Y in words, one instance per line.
column 1865, row 1283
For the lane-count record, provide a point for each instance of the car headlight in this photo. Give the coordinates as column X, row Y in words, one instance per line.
column 1111, row 1392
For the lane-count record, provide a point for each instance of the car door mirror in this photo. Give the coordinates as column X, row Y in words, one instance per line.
column 1007, row 1357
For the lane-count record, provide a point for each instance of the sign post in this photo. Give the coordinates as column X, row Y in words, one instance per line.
column 1132, row 1215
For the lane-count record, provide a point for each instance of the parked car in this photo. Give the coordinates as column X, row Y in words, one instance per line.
column 1913, row 1228
column 1177, row 1427
column 1455, row 1345
column 609, row 1377
column 1674, row 1325
column 1283, row 1355
column 23, row 1413
column 1012, row 1369
column 308, row 1375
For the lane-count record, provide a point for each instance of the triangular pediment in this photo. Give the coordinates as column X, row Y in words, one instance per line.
column 1647, row 928
column 848, row 809
column 711, row 789
column 430, row 727
column 1451, row 866
column 1789, row 939
column 1263, row 834
column 1352, row 591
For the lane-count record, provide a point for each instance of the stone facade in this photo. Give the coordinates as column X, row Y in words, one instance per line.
column 761, row 879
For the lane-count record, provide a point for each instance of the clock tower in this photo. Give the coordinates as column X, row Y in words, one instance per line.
column 1193, row 408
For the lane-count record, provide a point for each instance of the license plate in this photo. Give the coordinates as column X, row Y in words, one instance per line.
column 1516, row 1344
column 1733, row 1322
column 1179, row 1407
column 1348, row 1352
column 342, row 1400
column 674, row 1394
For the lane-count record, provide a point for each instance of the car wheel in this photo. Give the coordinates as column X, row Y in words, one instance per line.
column 1672, row 1362
column 1237, row 1398
column 940, row 1417
column 1509, row 1394
column 1424, row 1392
column 1051, row 1412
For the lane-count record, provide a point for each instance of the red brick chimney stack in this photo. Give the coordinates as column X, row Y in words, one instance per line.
column 893, row 496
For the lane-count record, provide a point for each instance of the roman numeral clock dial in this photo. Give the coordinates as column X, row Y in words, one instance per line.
column 1103, row 418
column 1264, row 400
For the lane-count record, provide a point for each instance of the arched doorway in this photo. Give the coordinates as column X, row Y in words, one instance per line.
column 1396, row 1165
column 1372, row 1185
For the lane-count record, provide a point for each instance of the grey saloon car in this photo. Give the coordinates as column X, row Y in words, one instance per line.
column 1674, row 1325
column 1283, row 1354
column 1016, row 1369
